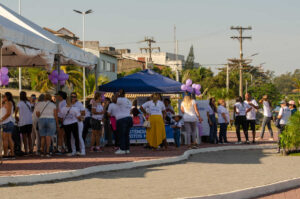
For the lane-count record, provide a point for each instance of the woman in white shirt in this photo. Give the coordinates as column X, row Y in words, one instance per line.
column 47, row 123
column 223, row 119
column 69, row 117
column 7, row 124
column 156, row 134
column 240, row 110
column 283, row 115
column 267, row 117
column 191, row 117
column 97, row 115
column 25, row 121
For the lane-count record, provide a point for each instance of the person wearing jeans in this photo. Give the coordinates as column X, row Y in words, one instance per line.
column 223, row 119
column 124, row 122
column 267, row 117
column 191, row 117
column 211, row 115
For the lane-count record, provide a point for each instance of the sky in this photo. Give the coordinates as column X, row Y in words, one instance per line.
column 205, row 24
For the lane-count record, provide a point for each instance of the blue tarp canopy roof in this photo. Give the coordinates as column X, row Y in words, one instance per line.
column 146, row 81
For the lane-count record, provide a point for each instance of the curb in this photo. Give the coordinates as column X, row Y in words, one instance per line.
column 46, row 177
column 254, row 192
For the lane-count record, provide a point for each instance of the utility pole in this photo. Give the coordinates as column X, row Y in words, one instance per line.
column 20, row 69
column 241, row 38
column 149, row 49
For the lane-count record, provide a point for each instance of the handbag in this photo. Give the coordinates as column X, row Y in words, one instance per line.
column 147, row 124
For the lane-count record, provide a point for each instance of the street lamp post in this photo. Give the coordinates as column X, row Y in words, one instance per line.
column 20, row 69
column 83, row 45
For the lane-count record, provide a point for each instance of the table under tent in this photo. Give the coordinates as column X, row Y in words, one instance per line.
column 144, row 82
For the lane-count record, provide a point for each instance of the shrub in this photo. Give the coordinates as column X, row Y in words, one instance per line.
column 290, row 138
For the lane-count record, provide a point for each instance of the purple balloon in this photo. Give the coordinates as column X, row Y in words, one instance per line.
column 54, row 81
column 198, row 87
column 54, row 73
column 193, row 85
column 61, row 77
column 4, row 71
column 198, row 92
column 66, row 77
column 190, row 89
column 188, row 82
column 183, row 87
column 4, row 80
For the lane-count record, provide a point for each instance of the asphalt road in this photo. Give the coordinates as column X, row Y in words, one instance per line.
column 203, row 174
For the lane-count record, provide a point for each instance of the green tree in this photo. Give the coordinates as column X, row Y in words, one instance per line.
column 266, row 89
column 189, row 64
column 90, row 83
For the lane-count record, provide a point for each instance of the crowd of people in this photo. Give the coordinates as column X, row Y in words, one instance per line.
column 60, row 124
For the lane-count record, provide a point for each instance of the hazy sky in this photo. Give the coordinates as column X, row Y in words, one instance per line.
column 205, row 24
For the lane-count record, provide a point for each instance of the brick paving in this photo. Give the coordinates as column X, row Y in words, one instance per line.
column 290, row 194
column 36, row 165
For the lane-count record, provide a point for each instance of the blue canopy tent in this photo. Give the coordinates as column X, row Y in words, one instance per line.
column 146, row 81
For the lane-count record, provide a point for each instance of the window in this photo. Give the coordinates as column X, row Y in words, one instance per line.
column 102, row 65
column 113, row 68
column 108, row 67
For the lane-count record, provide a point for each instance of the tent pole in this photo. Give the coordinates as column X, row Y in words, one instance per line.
column 96, row 76
column 57, row 59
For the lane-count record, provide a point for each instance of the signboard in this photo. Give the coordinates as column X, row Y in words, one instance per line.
column 137, row 134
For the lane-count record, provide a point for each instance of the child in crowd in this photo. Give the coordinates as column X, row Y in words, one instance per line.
column 176, row 125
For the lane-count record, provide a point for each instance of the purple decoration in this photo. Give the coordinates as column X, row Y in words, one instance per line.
column 61, row 77
column 193, row 85
column 55, row 73
column 54, row 81
column 4, row 80
column 198, row 92
column 188, row 82
column 198, row 87
column 183, row 87
column 4, row 71
column 66, row 77
column 190, row 89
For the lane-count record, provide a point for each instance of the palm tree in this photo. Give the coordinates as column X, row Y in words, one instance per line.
column 39, row 80
column 297, row 84
column 90, row 83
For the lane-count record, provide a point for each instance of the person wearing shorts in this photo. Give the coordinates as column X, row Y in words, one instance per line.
column 7, row 124
column 97, row 115
column 47, row 123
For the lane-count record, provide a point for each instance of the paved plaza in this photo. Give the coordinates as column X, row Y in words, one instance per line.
column 202, row 174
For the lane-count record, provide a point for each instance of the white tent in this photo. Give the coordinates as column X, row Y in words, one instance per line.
column 25, row 39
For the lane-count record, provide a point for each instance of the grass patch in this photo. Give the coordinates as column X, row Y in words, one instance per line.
column 294, row 154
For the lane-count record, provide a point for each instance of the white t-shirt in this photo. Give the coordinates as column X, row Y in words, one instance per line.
column 25, row 114
column 222, row 109
column 61, row 105
column 241, row 108
column 267, row 109
column 154, row 109
column 98, row 108
column 189, row 113
column 169, row 112
column 48, row 111
column 79, row 105
column 113, row 110
column 285, row 115
column 124, row 105
column 210, row 110
column 251, row 115
column 69, row 115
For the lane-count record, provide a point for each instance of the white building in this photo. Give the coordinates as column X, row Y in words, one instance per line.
column 107, row 64
column 162, row 58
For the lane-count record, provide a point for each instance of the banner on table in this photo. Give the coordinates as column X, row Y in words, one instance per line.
column 138, row 134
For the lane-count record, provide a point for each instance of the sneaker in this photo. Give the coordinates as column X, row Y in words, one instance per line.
column 82, row 154
column 259, row 138
column 69, row 154
column 247, row 142
column 78, row 153
column 239, row 142
column 127, row 151
column 48, row 155
column 98, row 149
column 5, row 157
column 120, row 152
